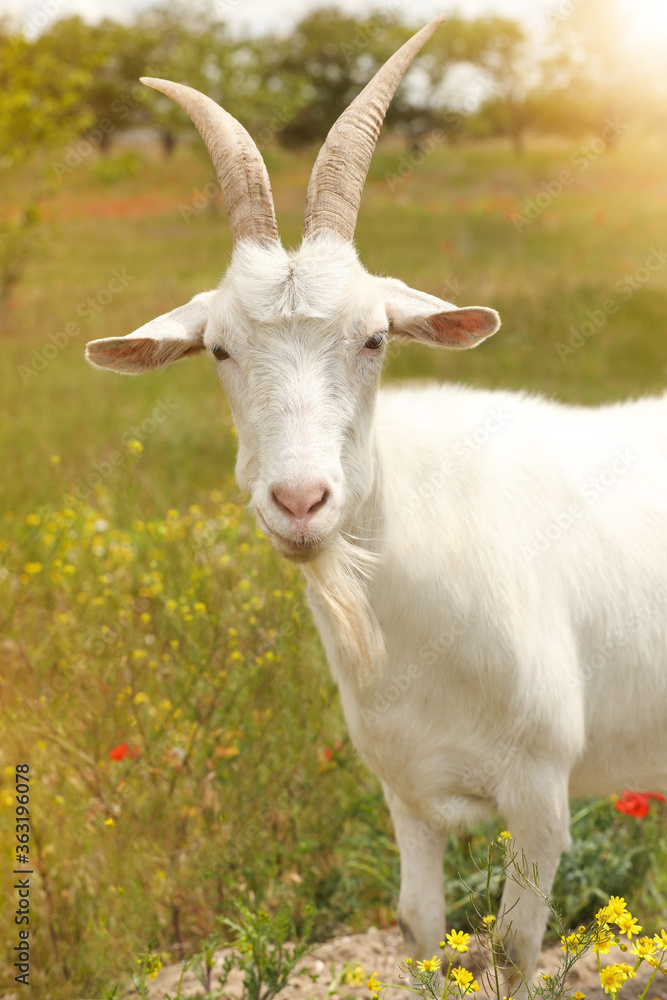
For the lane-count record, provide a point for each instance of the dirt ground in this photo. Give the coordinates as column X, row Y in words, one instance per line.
column 381, row 952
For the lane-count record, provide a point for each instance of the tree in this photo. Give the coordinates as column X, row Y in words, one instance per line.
column 41, row 106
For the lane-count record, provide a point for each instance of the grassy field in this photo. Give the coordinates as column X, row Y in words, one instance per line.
column 160, row 673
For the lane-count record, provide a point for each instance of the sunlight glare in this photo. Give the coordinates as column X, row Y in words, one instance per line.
column 647, row 22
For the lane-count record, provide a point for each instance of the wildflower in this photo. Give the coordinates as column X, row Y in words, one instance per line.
column 616, row 907
column 374, row 983
column 661, row 938
column 489, row 920
column 139, row 654
column 579, row 995
column 572, row 943
column 628, row 924
column 108, row 822
column 155, row 966
column 33, row 519
column 135, row 447
column 458, row 940
column 54, row 459
column 644, row 947
column 603, row 940
column 636, row 803
column 140, row 697
column 464, row 980
column 33, row 567
column 429, row 964
column 408, row 961
column 355, row 976
column 611, row 978
column 124, row 750
column 504, row 835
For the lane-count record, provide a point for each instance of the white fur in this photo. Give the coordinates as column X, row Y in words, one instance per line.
column 501, row 558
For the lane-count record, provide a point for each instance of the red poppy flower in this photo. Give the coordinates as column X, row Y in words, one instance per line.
column 636, row 803
column 327, row 753
column 124, row 750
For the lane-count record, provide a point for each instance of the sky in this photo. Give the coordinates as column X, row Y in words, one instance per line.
column 647, row 19
column 259, row 16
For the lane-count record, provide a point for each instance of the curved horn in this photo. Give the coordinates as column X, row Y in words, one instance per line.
column 339, row 174
column 237, row 161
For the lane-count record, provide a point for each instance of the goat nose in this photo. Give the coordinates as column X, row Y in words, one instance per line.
column 301, row 502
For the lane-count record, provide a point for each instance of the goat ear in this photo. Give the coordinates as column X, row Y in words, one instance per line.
column 415, row 315
column 168, row 338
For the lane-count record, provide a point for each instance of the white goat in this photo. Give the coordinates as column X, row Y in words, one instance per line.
column 487, row 570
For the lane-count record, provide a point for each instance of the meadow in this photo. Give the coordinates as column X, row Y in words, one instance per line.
column 160, row 672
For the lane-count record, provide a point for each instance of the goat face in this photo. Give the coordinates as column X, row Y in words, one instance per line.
column 300, row 340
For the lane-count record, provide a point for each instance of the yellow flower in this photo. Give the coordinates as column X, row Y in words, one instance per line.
column 140, row 697
column 156, row 964
column 373, row 983
column 661, row 938
column 136, row 447
column 458, row 940
column 464, row 980
column 33, row 519
column 33, row 568
column 430, row 964
column 603, row 916
column 461, row 977
column 55, row 459
column 611, row 978
column 603, row 940
column 579, row 995
column 572, row 943
column 628, row 924
column 616, row 907
column 354, row 977
column 644, row 947
column 139, row 654
column 504, row 835
column 489, row 920
column 408, row 961
column 108, row 822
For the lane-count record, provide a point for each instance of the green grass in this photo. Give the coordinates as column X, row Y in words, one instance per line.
column 160, row 618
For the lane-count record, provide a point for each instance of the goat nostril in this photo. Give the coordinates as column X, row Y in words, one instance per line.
column 319, row 503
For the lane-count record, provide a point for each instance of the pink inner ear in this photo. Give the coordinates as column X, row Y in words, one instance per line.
column 462, row 327
column 140, row 354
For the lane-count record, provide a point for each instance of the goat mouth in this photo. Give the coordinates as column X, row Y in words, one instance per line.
column 297, row 550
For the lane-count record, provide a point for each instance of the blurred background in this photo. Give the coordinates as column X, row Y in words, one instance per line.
column 160, row 673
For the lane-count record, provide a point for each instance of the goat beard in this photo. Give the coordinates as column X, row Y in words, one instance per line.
column 339, row 579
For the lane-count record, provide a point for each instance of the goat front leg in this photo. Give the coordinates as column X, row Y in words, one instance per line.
column 538, row 817
column 421, row 903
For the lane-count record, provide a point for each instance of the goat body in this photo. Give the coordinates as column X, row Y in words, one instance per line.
column 522, row 595
column 488, row 571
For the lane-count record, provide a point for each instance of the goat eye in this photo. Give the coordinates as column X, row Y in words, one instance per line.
column 374, row 342
column 219, row 353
